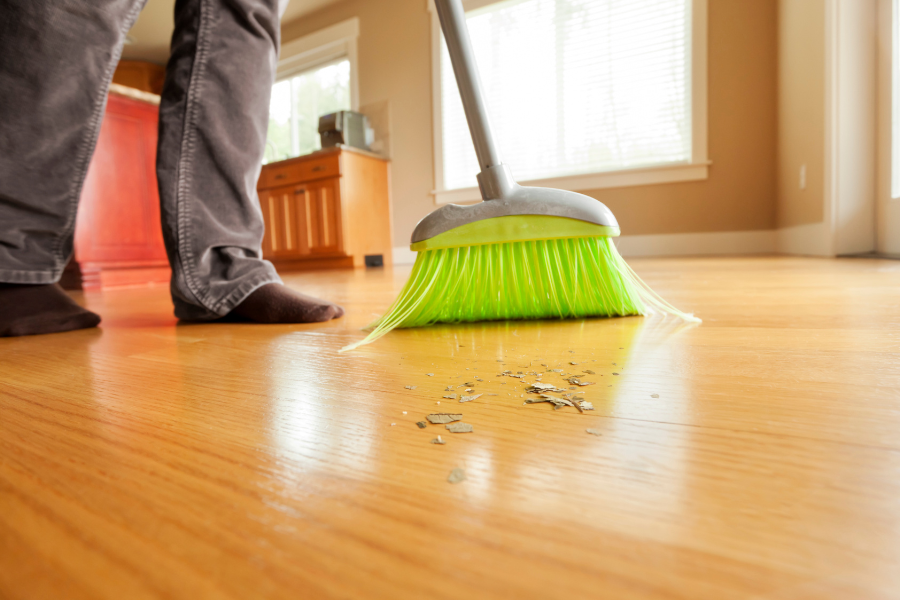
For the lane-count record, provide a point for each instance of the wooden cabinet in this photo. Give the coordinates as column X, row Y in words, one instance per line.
column 118, row 235
column 330, row 209
column 325, row 210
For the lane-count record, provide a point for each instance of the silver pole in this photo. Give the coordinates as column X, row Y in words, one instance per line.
column 453, row 23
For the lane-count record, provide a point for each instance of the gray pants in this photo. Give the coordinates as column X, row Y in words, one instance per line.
column 57, row 58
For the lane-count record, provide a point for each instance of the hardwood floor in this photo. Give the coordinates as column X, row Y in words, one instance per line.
column 147, row 459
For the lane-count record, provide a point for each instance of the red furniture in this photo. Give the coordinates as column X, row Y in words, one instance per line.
column 118, row 236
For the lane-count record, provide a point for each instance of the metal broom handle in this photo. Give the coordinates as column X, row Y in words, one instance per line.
column 453, row 23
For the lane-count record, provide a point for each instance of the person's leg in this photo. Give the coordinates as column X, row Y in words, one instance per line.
column 56, row 61
column 212, row 134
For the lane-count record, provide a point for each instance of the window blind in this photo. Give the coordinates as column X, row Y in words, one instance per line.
column 575, row 87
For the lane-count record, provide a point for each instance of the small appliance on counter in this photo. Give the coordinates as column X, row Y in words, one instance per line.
column 347, row 128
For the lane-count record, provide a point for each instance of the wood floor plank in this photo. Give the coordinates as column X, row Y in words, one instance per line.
column 752, row 456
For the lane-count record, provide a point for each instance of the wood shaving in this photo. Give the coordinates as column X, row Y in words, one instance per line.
column 572, row 362
column 470, row 398
column 459, row 428
column 438, row 440
column 556, row 370
column 589, row 372
column 547, row 398
column 441, row 418
column 585, row 405
column 594, row 431
column 469, row 383
column 541, row 386
column 450, row 396
column 654, row 395
column 430, row 374
column 410, row 387
column 422, row 424
column 449, row 388
column 457, row 475
column 615, row 373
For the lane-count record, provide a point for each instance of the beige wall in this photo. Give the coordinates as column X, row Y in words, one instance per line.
column 740, row 194
column 801, row 111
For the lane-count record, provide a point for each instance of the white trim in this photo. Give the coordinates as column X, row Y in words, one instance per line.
column 134, row 94
column 805, row 240
column 594, row 181
column 402, row 255
column 832, row 131
column 850, row 125
column 888, row 213
column 887, row 235
column 698, row 244
column 889, row 38
column 326, row 45
column 696, row 170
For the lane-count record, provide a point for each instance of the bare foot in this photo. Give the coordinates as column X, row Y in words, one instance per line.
column 36, row 309
column 275, row 303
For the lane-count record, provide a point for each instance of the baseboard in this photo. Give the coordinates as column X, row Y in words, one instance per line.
column 805, row 240
column 403, row 255
column 698, row 244
column 101, row 276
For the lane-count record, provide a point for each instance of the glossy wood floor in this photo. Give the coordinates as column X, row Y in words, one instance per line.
column 150, row 460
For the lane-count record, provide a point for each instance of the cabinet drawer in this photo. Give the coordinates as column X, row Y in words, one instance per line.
column 300, row 172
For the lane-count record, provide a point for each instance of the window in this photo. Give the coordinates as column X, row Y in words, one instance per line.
column 316, row 75
column 580, row 92
column 296, row 105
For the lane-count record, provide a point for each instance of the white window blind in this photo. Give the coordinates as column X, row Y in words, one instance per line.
column 574, row 87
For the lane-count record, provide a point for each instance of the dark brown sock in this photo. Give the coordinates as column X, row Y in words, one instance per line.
column 275, row 303
column 36, row 309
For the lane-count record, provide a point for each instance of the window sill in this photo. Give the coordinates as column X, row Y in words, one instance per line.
column 595, row 181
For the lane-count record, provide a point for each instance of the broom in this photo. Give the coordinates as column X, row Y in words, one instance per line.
column 521, row 253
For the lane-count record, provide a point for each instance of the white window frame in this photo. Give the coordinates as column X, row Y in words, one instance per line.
column 320, row 48
column 695, row 170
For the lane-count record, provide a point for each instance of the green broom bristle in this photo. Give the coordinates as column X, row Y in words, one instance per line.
column 541, row 279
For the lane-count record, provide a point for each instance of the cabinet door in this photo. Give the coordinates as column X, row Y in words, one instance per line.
column 118, row 218
column 323, row 217
column 283, row 210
